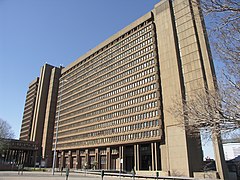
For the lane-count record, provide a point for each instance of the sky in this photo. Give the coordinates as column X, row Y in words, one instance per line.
column 33, row 32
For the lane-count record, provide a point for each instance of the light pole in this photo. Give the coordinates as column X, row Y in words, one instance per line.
column 58, row 118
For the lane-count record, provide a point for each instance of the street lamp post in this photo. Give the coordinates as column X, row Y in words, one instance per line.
column 58, row 118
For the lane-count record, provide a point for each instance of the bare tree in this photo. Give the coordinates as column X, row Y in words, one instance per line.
column 5, row 132
column 218, row 110
column 224, row 28
column 209, row 111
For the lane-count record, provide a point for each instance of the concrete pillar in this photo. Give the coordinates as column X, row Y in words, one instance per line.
column 87, row 157
column 70, row 159
column 153, row 156
column 26, row 158
column 121, row 165
column 219, row 158
column 124, row 162
column 57, row 160
column 78, row 159
column 108, row 158
column 138, row 158
column 156, row 156
column 63, row 159
column 7, row 155
column 135, row 156
column 14, row 156
column 97, row 158
column 19, row 157
column 10, row 155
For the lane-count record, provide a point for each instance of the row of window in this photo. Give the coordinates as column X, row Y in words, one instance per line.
column 119, row 105
column 135, row 62
column 111, row 115
column 107, row 123
column 148, row 79
column 112, row 69
column 114, row 98
column 111, row 131
column 126, row 137
column 96, row 61
column 81, row 126
column 119, row 90
column 110, row 101
column 119, row 98
column 143, row 51
column 127, row 95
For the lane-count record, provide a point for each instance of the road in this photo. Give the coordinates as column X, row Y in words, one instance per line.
column 37, row 175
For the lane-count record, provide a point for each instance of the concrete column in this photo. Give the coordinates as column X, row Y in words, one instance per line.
column 156, row 156
column 10, row 156
column 153, row 157
column 120, row 156
column 78, row 159
column 97, row 158
column 26, row 158
column 34, row 158
column 70, row 159
column 19, row 157
column 57, row 160
column 86, row 157
column 138, row 158
column 108, row 158
column 219, row 158
column 63, row 159
column 7, row 155
column 14, row 155
column 135, row 156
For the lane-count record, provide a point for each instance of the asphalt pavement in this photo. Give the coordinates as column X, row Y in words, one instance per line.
column 38, row 175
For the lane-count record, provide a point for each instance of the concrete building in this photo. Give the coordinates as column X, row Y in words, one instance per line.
column 112, row 103
column 39, row 112
column 29, row 110
column 231, row 150
column 115, row 98
column 15, row 152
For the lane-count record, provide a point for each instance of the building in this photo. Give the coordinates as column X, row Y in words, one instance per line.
column 15, row 152
column 39, row 112
column 29, row 110
column 231, row 148
column 112, row 103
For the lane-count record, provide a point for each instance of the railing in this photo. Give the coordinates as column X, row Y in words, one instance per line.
column 133, row 176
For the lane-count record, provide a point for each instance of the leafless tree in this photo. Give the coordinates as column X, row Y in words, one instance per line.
column 209, row 111
column 217, row 110
column 223, row 25
column 5, row 132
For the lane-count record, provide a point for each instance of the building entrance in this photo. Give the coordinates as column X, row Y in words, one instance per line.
column 129, row 158
column 145, row 157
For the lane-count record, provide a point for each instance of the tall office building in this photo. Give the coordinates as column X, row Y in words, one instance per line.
column 29, row 110
column 112, row 103
column 115, row 98
column 39, row 112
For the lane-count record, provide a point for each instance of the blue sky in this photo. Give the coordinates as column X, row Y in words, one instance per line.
column 57, row 32
column 33, row 32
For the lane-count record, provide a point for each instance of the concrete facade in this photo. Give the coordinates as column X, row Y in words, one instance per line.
column 39, row 112
column 111, row 108
column 29, row 110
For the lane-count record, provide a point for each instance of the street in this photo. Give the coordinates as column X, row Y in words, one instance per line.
column 38, row 175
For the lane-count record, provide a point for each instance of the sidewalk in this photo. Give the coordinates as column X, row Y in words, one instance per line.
column 33, row 175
